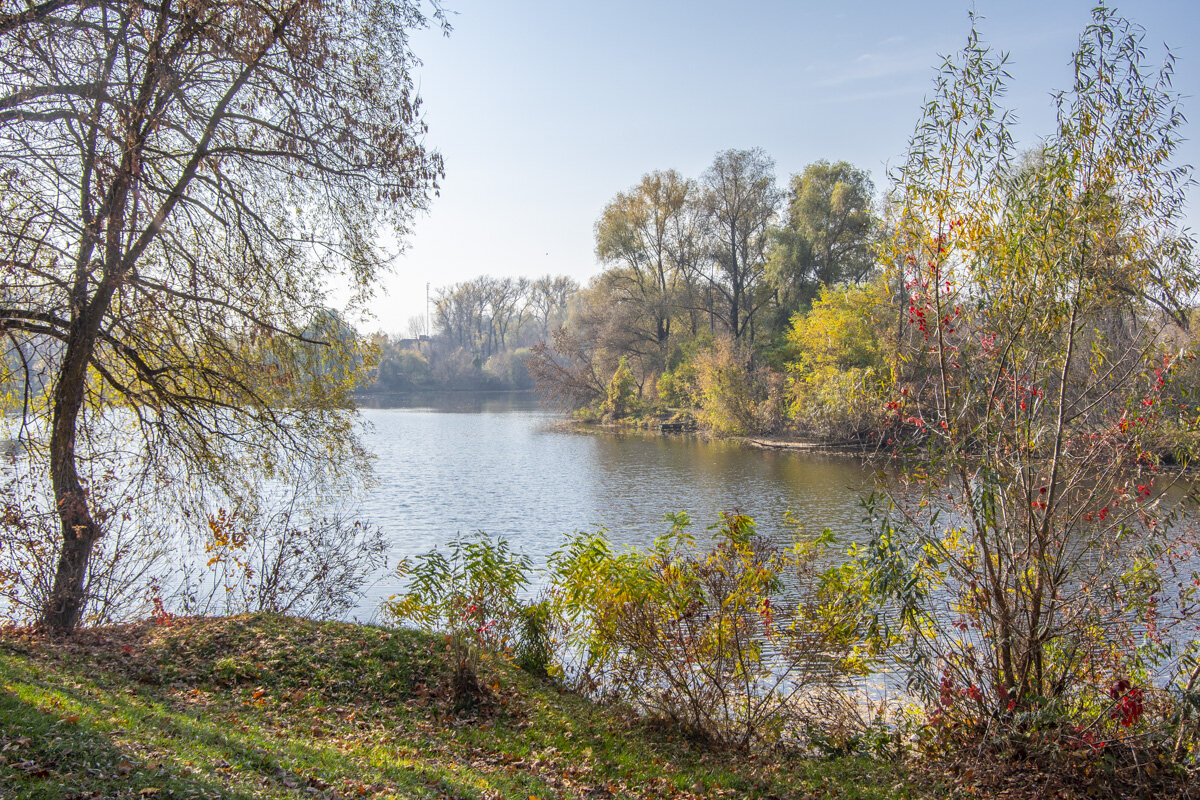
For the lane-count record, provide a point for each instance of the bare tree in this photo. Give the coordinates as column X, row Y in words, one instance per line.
column 547, row 302
column 416, row 326
column 485, row 315
column 454, row 312
column 566, row 371
column 179, row 180
column 506, row 304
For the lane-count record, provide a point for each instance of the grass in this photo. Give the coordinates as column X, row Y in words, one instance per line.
column 275, row 707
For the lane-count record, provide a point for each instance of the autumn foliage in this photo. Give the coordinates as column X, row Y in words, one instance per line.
column 1030, row 535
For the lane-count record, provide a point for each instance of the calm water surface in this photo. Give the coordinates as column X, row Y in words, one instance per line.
column 498, row 464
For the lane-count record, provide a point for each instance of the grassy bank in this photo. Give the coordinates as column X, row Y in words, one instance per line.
column 271, row 707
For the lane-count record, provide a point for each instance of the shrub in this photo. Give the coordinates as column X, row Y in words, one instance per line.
column 731, row 642
column 535, row 646
column 838, row 381
column 732, row 398
column 621, row 399
column 291, row 545
column 279, row 556
column 470, row 593
column 507, row 368
column 129, row 556
column 1040, row 578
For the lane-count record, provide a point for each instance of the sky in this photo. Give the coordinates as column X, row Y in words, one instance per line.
column 544, row 109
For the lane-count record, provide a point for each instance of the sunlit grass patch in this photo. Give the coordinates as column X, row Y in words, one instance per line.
column 273, row 707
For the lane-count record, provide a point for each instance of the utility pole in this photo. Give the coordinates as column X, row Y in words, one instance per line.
column 427, row 325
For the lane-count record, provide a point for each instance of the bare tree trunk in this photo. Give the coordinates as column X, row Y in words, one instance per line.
column 65, row 606
column 80, row 532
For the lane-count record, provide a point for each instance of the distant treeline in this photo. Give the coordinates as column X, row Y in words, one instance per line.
column 483, row 330
column 702, row 276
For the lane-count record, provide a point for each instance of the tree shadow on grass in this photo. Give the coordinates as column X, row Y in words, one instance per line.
column 48, row 753
column 68, row 738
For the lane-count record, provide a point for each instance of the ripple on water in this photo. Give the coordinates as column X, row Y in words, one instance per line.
column 505, row 471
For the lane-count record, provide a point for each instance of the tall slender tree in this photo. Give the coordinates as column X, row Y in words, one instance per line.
column 1035, row 424
column 643, row 232
column 740, row 200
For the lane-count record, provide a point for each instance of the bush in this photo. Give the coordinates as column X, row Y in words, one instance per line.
column 535, row 647
column 402, row 370
column 1031, row 555
column 125, row 561
column 508, row 369
column 288, row 546
column 732, row 398
column 838, row 382
column 672, row 388
column 471, row 593
column 285, row 558
column 734, row 643
column 622, row 398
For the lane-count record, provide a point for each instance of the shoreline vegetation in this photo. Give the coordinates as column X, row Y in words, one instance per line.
column 278, row 708
column 1017, row 333
column 780, row 442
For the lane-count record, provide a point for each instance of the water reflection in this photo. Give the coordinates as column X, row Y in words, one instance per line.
column 454, row 402
column 501, row 465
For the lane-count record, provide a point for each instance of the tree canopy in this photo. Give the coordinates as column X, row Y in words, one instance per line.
column 827, row 234
column 648, row 232
column 180, row 181
column 740, row 198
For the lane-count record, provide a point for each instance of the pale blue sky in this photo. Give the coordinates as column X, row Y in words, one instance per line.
column 544, row 110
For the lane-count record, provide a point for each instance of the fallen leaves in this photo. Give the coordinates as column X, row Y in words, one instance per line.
column 291, row 734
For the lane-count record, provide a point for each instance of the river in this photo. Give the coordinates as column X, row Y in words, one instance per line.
column 499, row 464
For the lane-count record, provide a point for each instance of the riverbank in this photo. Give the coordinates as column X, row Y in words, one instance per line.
column 275, row 707
column 758, row 442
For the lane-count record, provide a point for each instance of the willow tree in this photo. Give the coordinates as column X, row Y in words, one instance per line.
column 827, row 235
column 180, row 183
column 1042, row 295
column 645, row 238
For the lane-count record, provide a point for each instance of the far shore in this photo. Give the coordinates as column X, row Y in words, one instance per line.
column 759, row 442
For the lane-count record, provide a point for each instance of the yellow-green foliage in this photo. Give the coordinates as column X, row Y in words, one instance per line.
column 838, row 382
column 708, row 637
column 622, row 392
column 726, row 396
column 323, row 372
column 731, row 398
column 472, row 589
column 670, row 389
column 678, row 385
